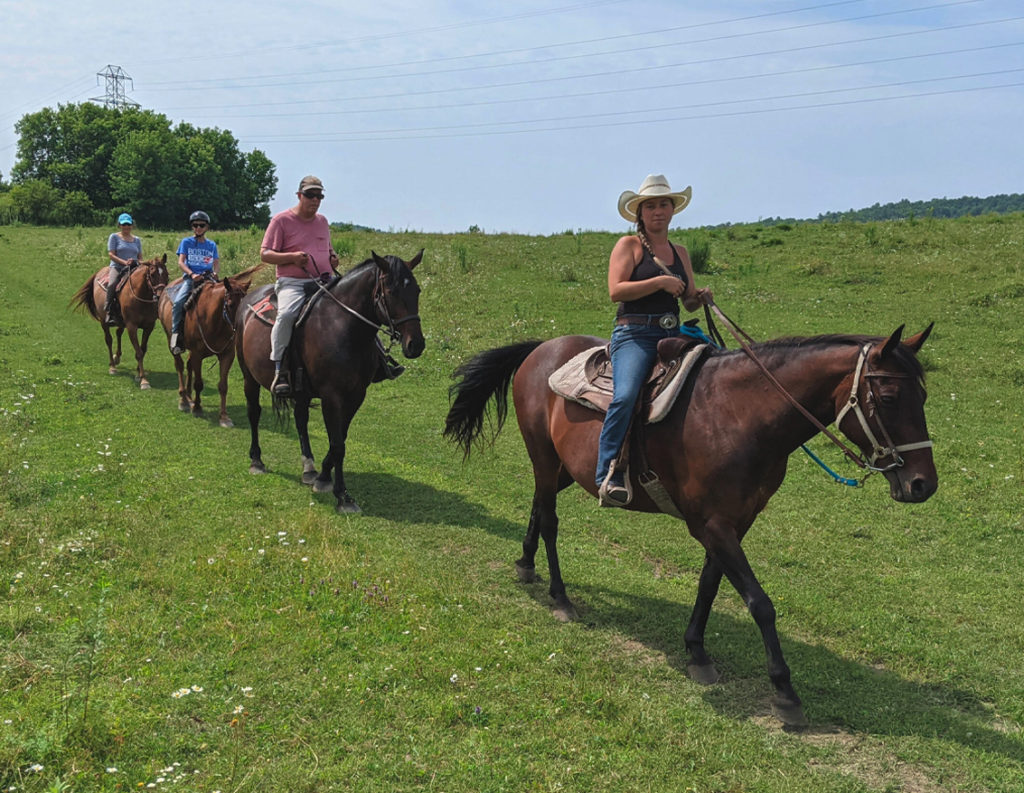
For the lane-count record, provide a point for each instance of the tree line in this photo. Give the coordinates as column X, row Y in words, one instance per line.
column 908, row 210
column 83, row 164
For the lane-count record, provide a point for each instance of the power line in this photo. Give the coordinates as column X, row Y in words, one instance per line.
column 554, row 59
column 647, row 112
column 587, row 94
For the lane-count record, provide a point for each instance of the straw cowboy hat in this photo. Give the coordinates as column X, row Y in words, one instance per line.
column 654, row 186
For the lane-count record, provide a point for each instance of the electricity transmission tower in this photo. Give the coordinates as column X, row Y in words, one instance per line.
column 115, row 79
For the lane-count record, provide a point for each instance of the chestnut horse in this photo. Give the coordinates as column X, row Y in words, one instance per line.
column 138, row 300
column 336, row 351
column 208, row 328
column 720, row 453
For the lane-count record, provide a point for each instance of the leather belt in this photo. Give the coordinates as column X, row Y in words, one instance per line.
column 664, row 321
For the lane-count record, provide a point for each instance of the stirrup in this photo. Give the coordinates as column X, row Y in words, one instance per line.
column 613, row 494
column 281, row 387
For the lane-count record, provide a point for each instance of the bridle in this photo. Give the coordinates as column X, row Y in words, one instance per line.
column 878, row 451
column 154, row 286
column 380, row 306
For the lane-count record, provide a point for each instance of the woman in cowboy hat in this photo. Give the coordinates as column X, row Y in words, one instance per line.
column 647, row 276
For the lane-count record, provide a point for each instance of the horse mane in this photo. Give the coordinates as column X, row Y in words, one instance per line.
column 395, row 266
column 775, row 349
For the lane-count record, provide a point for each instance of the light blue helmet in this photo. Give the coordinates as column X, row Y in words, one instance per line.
column 123, row 218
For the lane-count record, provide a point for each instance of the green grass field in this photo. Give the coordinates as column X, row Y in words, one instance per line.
column 170, row 622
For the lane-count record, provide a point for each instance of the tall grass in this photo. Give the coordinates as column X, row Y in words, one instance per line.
column 170, row 622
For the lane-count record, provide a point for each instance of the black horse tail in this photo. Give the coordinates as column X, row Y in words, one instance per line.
column 485, row 376
column 83, row 299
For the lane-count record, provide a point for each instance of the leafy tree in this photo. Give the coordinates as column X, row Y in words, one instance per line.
column 132, row 159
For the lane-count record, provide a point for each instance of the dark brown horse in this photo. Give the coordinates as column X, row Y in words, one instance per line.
column 335, row 351
column 720, row 453
column 208, row 328
column 138, row 301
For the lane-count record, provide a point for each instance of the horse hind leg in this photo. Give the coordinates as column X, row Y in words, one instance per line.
column 544, row 525
column 253, row 410
column 700, row 667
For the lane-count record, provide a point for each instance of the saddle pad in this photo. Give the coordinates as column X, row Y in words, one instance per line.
column 571, row 381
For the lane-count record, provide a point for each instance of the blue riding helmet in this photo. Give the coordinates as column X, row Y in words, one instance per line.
column 123, row 218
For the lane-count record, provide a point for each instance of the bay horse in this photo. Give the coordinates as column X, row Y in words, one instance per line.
column 720, row 453
column 137, row 298
column 208, row 328
column 336, row 350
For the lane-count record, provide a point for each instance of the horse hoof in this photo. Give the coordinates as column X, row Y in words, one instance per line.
column 309, row 478
column 112, row 370
column 184, row 407
column 564, row 613
column 227, row 423
column 791, row 714
column 705, row 674
column 526, row 574
column 321, row 486
column 144, row 385
column 257, row 468
column 348, row 507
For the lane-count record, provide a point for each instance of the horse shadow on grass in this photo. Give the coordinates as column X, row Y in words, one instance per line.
column 839, row 694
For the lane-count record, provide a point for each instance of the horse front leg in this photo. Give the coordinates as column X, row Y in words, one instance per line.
column 338, row 415
column 140, row 354
column 701, row 668
column 251, row 388
column 723, row 544
column 309, row 473
column 222, row 386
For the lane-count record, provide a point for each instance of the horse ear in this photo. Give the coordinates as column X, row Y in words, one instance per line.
column 381, row 263
column 164, row 259
column 891, row 342
column 916, row 342
column 415, row 259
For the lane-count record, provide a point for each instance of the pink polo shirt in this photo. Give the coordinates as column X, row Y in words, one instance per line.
column 288, row 233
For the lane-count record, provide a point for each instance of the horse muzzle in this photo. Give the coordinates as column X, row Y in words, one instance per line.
column 912, row 486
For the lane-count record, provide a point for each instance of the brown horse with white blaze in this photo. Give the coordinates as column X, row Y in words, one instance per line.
column 720, row 453
column 208, row 329
column 137, row 298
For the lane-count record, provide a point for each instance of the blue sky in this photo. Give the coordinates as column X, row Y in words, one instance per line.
column 533, row 116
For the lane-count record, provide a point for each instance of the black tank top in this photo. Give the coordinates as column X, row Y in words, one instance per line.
column 660, row 302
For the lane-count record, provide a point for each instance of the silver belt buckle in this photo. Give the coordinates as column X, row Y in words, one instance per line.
column 668, row 321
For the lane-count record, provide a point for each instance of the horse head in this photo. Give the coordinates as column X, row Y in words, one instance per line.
column 887, row 422
column 397, row 301
column 235, row 288
column 156, row 272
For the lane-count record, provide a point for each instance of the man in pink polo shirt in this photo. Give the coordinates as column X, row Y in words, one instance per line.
column 298, row 243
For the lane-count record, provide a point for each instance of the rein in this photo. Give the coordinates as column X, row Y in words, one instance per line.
column 380, row 304
column 878, row 451
column 152, row 286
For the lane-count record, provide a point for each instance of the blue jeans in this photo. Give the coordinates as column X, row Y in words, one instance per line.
column 178, row 307
column 633, row 351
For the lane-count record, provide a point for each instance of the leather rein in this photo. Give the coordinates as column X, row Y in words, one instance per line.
column 380, row 304
column 853, row 403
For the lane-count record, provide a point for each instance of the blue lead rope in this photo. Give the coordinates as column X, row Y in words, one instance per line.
column 839, row 480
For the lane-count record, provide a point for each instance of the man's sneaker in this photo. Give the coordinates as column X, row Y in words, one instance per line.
column 176, row 348
column 281, row 387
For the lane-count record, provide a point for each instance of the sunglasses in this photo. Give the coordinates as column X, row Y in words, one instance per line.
column 314, row 196
column 199, row 225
